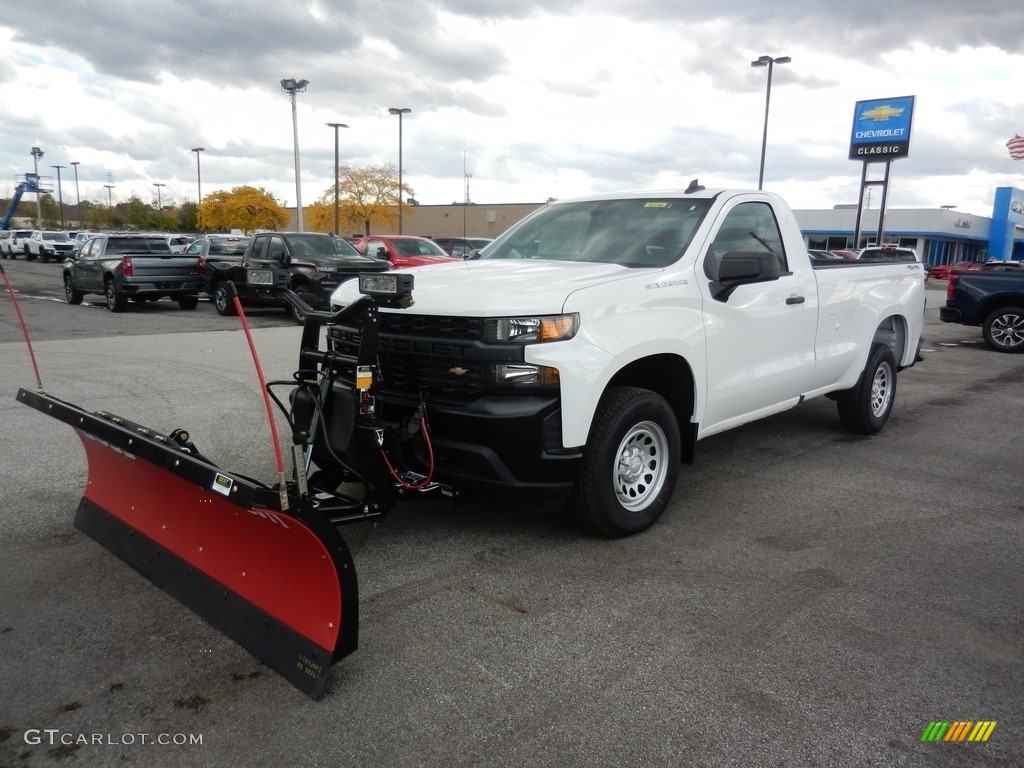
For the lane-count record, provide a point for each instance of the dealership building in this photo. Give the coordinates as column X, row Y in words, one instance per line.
column 939, row 235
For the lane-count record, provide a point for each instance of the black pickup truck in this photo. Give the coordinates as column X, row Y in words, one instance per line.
column 315, row 263
column 123, row 266
column 992, row 297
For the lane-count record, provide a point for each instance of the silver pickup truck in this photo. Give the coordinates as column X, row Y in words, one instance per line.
column 123, row 266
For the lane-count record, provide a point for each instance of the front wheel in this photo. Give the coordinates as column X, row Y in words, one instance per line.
column 630, row 463
column 867, row 407
column 1003, row 330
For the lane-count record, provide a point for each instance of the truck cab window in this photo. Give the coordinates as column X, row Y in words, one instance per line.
column 749, row 227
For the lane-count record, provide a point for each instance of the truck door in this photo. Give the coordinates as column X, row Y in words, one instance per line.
column 760, row 335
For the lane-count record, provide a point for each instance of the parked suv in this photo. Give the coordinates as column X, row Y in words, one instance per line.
column 16, row 242
column 49, row 245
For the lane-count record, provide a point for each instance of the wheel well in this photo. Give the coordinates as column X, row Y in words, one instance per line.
column 670, row 376
column 999, row 302
column 893, row 333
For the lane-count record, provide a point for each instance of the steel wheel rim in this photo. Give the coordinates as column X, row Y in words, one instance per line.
column 641, row 465
column 1008, row 330
column 220, row 298
column 67, row 288
column 111, row 296
column 881, row 390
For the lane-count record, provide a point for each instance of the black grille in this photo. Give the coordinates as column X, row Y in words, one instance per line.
column 425, row 353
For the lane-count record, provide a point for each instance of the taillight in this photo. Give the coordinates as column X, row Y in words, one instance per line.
column 126, row 264
column 201, row 267
column 954, row 278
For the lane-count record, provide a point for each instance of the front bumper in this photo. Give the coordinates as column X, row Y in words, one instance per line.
column 506, row 443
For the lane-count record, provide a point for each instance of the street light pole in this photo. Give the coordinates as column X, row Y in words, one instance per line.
column 199, row 185
column 291, row 86
column 399, row 111
column 336, row 126
column 60, row 194
column 110, row 205
column 78, row 198
column 767, row 61
column 37, row 154
column 159, row 200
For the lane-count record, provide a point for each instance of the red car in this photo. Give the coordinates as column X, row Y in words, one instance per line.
column 403, row 250
column 941, row 271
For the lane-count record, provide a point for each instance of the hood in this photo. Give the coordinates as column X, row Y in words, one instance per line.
column 343, row 262
column 499, row 287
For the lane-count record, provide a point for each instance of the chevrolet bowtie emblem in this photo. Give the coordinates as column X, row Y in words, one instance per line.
column 456, row 371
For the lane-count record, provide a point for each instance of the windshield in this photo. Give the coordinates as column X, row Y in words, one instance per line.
column 60, row 236
column 319, row 245
column 640, row 232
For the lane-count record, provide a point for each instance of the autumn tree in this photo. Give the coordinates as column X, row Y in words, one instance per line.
column 366, row 197
column 246, row 208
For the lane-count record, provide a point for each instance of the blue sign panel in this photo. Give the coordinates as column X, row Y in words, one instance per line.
column 881, row 129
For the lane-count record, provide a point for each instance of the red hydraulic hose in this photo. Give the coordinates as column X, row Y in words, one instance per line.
column 266, row 396
column 24, row 327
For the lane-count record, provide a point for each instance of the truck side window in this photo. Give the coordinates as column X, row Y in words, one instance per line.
column 747, row 227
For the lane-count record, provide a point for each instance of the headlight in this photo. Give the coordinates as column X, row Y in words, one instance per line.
column 520, row 375
column 527, row 330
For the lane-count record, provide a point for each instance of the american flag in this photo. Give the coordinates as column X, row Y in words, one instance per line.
column 1016, row 147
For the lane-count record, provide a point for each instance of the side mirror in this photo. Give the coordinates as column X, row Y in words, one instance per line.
column 382, row 253
column 281, row 256
column 742, row 267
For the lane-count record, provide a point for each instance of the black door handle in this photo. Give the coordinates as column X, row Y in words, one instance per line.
column 795, row 300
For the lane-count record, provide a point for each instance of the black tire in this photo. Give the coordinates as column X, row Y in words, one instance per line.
column 29, row 256
column 71, row 296
column 1004, row 330
column 630, row 463
column 188, row 302
column 116, row 301
column 222, row 300
column 44, row 257
column 297, row 314
column 865, row 409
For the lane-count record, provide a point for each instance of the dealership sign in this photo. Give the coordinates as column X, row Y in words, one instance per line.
column 881, row 129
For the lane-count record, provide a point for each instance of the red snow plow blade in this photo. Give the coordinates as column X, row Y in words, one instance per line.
column 280, row 583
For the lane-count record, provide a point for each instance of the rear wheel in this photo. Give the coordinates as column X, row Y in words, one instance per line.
column 70, row 294
column 223, row 302
column 630, row 463
column 1003, row 330
column 866, row 408
column 188, row 302
column 116, row 301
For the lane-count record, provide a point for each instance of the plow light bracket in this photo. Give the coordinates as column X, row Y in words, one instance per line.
column 393, row 287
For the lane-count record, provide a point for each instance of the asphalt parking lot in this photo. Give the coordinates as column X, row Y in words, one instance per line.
column 810, row 598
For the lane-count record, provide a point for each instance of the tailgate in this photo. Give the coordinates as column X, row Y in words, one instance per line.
column 156, row 265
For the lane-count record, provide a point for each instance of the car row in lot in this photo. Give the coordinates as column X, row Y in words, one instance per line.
column 140, row 267
column 57, row 245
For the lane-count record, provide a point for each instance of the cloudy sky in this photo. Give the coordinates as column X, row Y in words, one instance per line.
column 532, row 100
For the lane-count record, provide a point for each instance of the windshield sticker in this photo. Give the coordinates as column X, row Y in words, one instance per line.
column 657, row 205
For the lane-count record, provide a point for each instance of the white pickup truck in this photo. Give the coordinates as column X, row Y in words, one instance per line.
column 592, row 345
